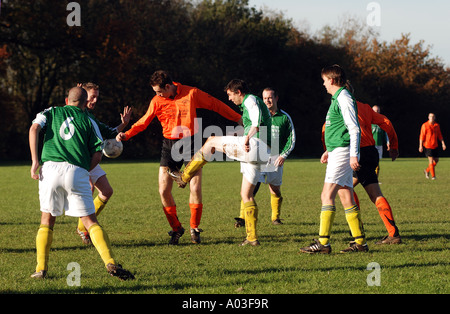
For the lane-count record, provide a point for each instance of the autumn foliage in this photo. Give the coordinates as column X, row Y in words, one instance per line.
column 204, row 44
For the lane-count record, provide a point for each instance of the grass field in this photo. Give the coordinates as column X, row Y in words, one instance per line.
column 138, row 230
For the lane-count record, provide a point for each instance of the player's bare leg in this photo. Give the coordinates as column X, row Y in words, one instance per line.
column 105, row 191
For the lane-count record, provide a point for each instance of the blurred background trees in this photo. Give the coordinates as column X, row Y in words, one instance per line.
column 120, row 43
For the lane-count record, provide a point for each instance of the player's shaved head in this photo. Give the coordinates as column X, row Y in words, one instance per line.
column 77, row 97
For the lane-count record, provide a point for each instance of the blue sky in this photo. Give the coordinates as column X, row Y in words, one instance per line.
column 423, row 20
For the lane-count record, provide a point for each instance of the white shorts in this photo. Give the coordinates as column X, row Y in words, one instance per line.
column 271, row 177
column 380, row 151
column 96, row 173
column 339, row 170
column 65, row 187
column 233, row 147
column 254, row 162
column 251, row 172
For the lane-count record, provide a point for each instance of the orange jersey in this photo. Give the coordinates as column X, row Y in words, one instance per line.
column 430, row 134
column 367, row 117
column 178, row 116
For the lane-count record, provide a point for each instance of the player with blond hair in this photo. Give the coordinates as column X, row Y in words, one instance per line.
column 97, row 175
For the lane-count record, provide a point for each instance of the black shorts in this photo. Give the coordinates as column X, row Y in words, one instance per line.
column 368, row 161
column 175, row 153
column 431, row 152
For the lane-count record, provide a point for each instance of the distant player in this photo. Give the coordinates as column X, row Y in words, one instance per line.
column 71, row 148
column 380, row 138
column 430, row 134
column 252, row 150
column 98, row 175
column 283, row 133
column 175, row 107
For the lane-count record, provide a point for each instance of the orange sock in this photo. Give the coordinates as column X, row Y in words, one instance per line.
column 172, row 218
column 196, row 214
column 385, row 211
column 432, row 171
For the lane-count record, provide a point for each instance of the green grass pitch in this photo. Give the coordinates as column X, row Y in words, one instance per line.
column 138, row 230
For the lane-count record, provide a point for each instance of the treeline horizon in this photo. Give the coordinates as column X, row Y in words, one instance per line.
column 206, row 44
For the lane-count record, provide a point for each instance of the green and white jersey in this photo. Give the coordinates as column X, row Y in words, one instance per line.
column 106, row 131
column 283, row 134
column 69, row 136
column 256, row 114
column 341, row 124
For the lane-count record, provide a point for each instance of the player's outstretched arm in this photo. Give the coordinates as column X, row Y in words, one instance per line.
column 125, row 118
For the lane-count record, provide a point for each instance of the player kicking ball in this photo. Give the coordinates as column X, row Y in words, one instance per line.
column 252, row 150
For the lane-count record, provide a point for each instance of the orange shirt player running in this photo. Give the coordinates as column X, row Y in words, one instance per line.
column 178, row 115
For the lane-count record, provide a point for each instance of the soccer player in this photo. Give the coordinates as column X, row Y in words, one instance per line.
column 284, row 133
column 71, row 148
column 98, row 175
column 369, row 160
column 430, row 134
column 175, row 107
column 252, row 150
column 380, row 138
column 342, row 137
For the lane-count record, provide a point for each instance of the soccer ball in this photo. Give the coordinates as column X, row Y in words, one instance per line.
column 112, row 148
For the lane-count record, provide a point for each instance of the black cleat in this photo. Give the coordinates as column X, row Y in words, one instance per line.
column 117, row 271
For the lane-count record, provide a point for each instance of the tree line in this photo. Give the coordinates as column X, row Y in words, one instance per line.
column 206, row 43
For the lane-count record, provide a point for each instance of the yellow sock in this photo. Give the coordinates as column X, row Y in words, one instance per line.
column 101, row 242
column 327, row 215
column 251, row 217
column 99, row 205
column 242, row 212
column 196, row 163
column 353, row 216
column 275, row 203
column 44, row 240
